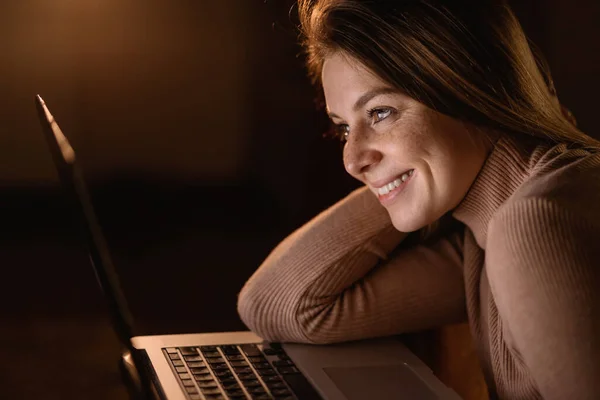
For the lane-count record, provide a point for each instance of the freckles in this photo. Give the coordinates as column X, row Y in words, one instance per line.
column 411, row 131
column 410, row 140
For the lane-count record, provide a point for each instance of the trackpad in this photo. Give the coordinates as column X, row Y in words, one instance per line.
column 393, row 382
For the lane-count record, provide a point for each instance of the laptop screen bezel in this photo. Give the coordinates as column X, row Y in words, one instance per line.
column 75, row 188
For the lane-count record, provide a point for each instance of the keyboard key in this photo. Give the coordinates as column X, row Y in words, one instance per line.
column 250, row 350
column 261, row 365
column 171, row 350
column 207, row 385
column 273, row 378
column 228, row 381
column 235, row 357
column 246, row 377
column 235, row 393
column 230, row 350
column 256, row 390
column 283, row 363
column 273, row 348
column 200, row 371
column 281, row 392
column 185, row 376
column 215, row 360
column 177, row 363
column 276, row 385
column 180, row 370
column 243, row 370
column 257, row 359
column 266, row 372
column 208, row 348
column 216, row 396
column 196, row 396
column 191, row 390
column 174, row 356
column 231, row 386
column 211, row 354
column 188, row 382
column 223, row 374
column 287, row 370
column 195, row 364
column 219, row 367
column 251, row 383
column 238, row 363
column 192, row 358
column 204, row 378
column 186, row 351
column 260, row 396
column 210, row 390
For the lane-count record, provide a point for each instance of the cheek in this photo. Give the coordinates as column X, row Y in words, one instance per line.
column 438, row 171
column 407, row 142
column 452, row 174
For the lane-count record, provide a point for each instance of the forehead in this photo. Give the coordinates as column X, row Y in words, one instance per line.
column 344, row 77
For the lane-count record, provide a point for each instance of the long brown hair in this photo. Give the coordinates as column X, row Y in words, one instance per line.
column 468, row 59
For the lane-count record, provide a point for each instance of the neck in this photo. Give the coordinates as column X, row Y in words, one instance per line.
column 508, row 165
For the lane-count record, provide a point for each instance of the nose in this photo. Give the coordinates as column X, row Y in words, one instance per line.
column 360, row 155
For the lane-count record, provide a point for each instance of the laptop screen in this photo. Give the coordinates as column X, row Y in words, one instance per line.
column 74, row 185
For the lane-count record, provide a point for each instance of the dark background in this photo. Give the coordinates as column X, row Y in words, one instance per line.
column 203, row 148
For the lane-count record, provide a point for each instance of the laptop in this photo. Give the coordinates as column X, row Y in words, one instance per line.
column 235, row 365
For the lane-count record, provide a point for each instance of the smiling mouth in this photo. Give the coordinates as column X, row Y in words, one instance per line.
column 396, row 183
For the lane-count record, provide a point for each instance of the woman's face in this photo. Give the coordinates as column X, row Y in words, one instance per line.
column 419, row 163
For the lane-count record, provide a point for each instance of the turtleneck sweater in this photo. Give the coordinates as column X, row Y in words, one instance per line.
column 522, row 266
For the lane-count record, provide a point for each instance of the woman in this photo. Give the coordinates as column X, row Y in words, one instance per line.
column 452, row 125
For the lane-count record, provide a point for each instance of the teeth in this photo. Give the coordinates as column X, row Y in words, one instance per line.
column 393, row 185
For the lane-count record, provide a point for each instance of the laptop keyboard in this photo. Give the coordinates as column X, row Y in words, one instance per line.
column 246, row 371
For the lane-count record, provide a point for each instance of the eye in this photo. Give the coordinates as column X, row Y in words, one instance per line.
column 341, row 132
column 379, row 114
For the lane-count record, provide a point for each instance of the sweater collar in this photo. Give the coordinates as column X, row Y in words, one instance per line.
column 508, row 165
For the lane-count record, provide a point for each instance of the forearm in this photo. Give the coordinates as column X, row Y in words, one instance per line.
column 344, row 276
column 270, row 301
column 415, row 288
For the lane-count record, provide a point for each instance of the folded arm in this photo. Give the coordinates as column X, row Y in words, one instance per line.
column 343, row 276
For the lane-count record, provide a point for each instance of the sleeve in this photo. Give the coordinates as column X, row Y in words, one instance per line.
column 543, row 264
column 341, row 277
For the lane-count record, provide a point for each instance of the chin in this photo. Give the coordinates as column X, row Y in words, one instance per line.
column 407, row 225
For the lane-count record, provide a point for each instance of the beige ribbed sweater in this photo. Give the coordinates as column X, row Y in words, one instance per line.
column 523, row 268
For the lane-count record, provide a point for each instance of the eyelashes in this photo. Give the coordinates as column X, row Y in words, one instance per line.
column 379, row 113
column 374, row 115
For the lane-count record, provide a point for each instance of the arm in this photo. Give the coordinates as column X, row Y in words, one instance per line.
column 543, row 267
column 338, row 278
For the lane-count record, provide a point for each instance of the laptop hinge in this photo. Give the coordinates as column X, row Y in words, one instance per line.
column 139, row 376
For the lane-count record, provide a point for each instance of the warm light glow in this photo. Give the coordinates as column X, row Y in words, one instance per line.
column 65, row 148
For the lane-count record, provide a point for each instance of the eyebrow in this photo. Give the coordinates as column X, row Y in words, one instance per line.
column 365, row 98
